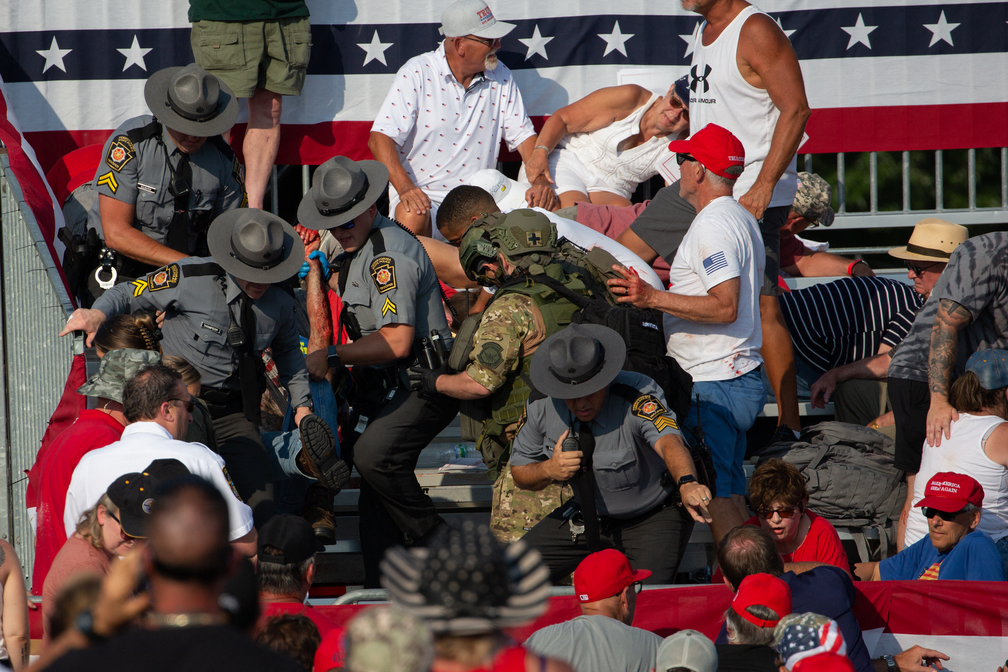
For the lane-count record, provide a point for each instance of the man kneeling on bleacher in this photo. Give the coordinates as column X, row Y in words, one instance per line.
column 624, row 456
column 954, row 549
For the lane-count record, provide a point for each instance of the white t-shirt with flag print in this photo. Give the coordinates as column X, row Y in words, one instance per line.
column 722, row 243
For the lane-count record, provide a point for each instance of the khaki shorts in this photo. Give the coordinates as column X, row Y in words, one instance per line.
column 247, row 55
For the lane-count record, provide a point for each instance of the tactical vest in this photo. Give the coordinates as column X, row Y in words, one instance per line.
column 486, row 420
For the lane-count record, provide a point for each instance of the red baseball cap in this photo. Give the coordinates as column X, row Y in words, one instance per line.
column 714, row 147
column 766, row 590
column 824, row 662
column 948, row 491
column 604, row 574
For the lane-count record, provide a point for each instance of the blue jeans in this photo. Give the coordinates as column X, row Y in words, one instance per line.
column 728, row 409
column 290, row 485
column 1002, row 546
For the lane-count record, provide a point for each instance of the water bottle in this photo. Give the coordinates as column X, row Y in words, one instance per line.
column 457, row 451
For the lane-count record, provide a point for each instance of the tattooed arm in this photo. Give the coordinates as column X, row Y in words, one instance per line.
column 950, row 320
column 15, row 608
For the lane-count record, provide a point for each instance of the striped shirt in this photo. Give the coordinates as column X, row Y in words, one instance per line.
column 840, row 322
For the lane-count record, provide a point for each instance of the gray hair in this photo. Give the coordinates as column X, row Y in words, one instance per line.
column 277, row 579
column 741, row 631
column 723, row 182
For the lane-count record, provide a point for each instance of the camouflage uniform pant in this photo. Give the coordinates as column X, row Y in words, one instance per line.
column 515, row 511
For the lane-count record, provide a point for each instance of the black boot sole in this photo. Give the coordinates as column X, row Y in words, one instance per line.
column 319, row 444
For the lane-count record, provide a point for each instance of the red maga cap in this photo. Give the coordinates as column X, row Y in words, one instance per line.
column 766, row 590
column 824, row 662
column 714, row 147
column 603, row 575
column 948, row 491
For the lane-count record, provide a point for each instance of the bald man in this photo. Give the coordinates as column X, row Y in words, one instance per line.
column 186, row 561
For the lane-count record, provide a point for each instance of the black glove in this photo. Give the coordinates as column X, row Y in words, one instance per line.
column 423, row 379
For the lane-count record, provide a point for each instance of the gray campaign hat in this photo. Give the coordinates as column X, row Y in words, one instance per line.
column 341, row 189
column 577, row 361
column 192, row 101
column 687, row 649
column 472, row 17
column 255, row 245
column 990, row 367
column 114, row 370
column 813, row 199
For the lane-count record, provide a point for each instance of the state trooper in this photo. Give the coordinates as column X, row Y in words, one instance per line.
column 163, row 179
column 220, row 314
column 612, row 435
column 492, row 354
column 391, row 300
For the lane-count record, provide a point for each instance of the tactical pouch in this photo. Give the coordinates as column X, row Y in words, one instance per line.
column 458, row 358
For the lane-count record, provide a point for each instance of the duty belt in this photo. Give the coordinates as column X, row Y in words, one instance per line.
column 221, row 402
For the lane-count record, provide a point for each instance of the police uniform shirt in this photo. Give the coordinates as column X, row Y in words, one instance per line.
column 397, row 286
column 628, row 470
column 139, row 173
column 196, row 296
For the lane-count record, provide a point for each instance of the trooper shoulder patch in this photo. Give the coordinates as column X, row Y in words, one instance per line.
column 383, row 274
column 120, row 152
column 166, row 278
column 649, row 407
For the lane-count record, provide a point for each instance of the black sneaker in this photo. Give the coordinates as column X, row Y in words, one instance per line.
column 318, row 510
column 318, row 457
column 784, row 434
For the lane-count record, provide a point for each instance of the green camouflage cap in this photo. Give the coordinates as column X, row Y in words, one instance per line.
column 813, row 199
column 114, row 369
column 388, row 639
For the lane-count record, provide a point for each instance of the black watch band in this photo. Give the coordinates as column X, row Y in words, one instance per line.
column 332, row 358
column 688, row 478
column 85, row 624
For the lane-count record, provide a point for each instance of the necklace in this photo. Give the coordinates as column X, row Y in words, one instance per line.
column 185, row 620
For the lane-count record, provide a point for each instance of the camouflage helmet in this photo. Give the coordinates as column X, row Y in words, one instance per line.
column 524, row 236
column 115, row 369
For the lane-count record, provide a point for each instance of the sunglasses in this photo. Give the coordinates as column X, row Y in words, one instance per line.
column 122, row 532
column 678, row 104
column 345, row 227
column 919, row 270
column 682, row 158
column 189, row 404
column 947, row 516
column 784, row 512
column 485, row 42
column 638, row 587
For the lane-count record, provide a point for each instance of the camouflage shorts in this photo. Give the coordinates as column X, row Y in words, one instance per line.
column 516, row 511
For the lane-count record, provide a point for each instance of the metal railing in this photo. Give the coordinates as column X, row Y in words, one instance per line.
column 34, row 306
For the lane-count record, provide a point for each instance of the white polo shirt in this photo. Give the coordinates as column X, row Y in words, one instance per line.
column 445, row 133
column 722, row 243
column 141, row 444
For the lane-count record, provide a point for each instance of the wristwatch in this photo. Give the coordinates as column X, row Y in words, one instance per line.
column 890, row 662
column 688, row 478
column 85, row 624
column 332, row 358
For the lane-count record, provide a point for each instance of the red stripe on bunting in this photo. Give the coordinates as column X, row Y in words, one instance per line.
column 849, row 129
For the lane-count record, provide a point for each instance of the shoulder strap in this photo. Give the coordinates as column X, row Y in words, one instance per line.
column 198, row 270
column 558, row 287
column 627, row 392
column 283, row 286
column 377, row 245
column 144, row 132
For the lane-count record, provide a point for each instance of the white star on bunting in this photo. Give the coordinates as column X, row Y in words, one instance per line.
column 787, row 33
column 941, row 30
column 535, row 44
column 375, row 50
column 135, row 55
column 53, row 56
column 858, row 32
column 689, row 39
column 615, row 41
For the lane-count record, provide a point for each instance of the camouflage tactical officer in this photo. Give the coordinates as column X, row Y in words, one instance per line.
column 489, row 363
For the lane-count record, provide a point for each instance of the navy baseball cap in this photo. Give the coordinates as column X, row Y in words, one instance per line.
column 681, row 89
column 990, row 368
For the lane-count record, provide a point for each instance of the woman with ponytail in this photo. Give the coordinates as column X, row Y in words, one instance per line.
column 978, row 446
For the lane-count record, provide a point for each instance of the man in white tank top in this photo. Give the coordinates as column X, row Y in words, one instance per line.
column 602, row 146
column 745, row 77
